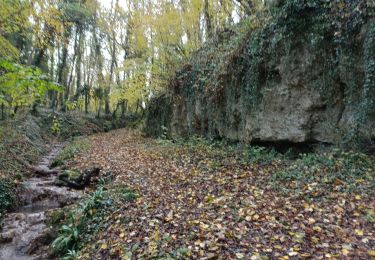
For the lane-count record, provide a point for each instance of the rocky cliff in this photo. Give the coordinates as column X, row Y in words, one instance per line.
column 304, row 73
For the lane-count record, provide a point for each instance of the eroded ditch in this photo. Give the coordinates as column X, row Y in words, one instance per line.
column 24, row 233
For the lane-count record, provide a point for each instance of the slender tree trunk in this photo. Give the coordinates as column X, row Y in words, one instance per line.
column 53, row 93
column 87, row 90
column 70, row 80
column 207, row 18
column 78, row 64
column 124, row 105
column 61, row 72
column 2, row 111
column 39, row 57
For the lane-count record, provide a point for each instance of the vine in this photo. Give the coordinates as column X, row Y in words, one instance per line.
column 244, row 60
column 368, row 98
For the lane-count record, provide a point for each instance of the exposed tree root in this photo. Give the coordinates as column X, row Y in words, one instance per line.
column 63, row 178
column 80, row 182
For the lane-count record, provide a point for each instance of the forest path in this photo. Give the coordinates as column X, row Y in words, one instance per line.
column 195, row 201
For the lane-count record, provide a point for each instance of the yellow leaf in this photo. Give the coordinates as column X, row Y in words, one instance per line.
column 122, row 235
column 358, row 232
column 345, row 251
column 371, row 253
column 203, row 226
column 104, row 246
column 315, row 240
column 210, row 199
column 358, row 197
column 317, row 229
column 312, row 221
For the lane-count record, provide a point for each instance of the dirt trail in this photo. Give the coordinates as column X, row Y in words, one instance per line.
column 199, row 202
column 24, row 232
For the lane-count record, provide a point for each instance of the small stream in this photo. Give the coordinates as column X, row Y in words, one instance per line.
column 24, row 233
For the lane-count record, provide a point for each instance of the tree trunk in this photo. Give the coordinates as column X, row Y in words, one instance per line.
column 70, row 80
column 87, row 91
column 207, row 18
column 78, row 64
column 2, row 111
column 79, row 182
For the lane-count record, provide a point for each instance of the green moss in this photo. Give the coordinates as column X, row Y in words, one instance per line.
column 70, row 151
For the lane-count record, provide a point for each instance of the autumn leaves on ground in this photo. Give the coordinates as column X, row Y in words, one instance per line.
column 158, row 199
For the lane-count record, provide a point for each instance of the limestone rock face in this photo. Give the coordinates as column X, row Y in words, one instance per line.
column 303, row 97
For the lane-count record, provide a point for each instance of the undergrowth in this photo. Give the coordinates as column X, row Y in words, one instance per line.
column 219, row 150
column 315, row 174
column 7, row 196
column 318, row 174
column 68, row 153
column 78, row 226
column 14, row 141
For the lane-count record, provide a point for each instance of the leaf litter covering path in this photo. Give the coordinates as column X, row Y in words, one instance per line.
column 191, row 208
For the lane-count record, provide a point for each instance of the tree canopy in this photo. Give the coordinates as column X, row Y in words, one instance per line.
column 106, row 53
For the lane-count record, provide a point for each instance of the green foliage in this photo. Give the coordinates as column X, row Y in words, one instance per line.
column 71, row 105
column 368, row 100
column 78, row 13
column 21, row 86
column 182, row 253
column 258, row 154
column 71, row 255
column 70, row 151
column 77, row 224
column 324, row 172
column 6, row 196
column 56, row 126
column 22, row 137
column 240, row 64
column 87, row 219
column 164, row 132
column 68, row 238
column 7, row 50
column 127, row 195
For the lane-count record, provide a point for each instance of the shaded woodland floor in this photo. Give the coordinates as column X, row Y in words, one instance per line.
column 198, row 201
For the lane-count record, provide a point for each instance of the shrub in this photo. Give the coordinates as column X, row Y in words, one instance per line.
column 76, row 225
column 6, row 196
column 338, row 170
column 258, row 154
column 87, row 219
